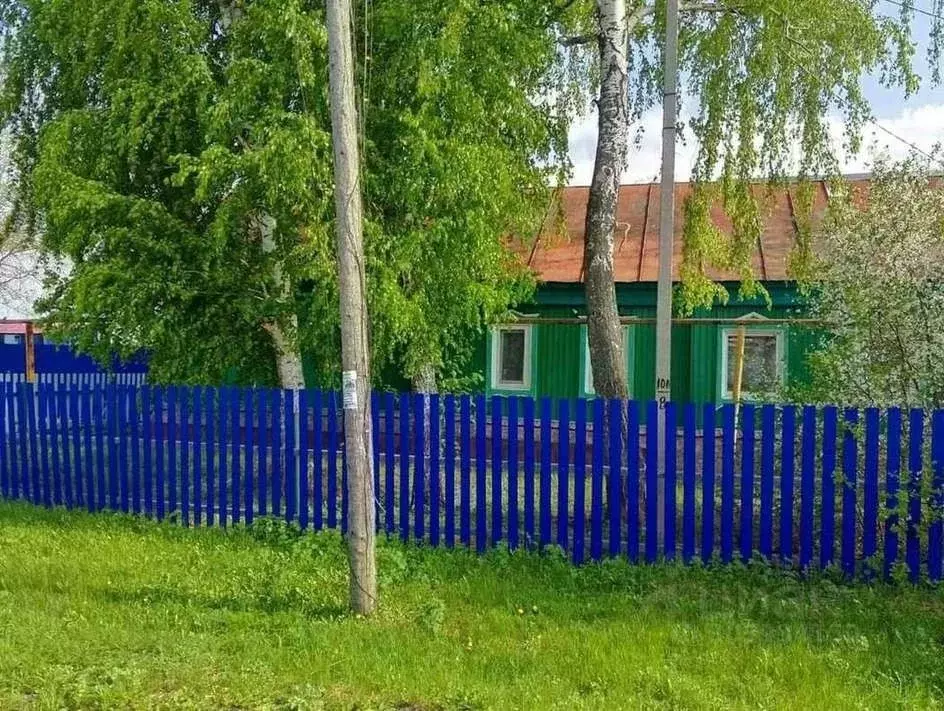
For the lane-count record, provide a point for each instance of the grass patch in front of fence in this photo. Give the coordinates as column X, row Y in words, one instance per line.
column 106, row 611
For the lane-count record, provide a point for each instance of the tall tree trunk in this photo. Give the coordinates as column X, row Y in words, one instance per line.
column 354, row 346
column 288, row 356
column 603, row 326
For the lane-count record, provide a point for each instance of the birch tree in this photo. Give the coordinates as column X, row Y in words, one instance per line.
column 761, row 80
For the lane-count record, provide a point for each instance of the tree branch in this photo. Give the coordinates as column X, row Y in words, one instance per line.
column 578, row 40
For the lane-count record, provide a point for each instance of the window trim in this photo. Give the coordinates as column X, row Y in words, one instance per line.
column 753, row 325
column 495, row 382
column 586, row 381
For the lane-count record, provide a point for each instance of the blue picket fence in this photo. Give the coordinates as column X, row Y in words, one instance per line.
column 800, row 486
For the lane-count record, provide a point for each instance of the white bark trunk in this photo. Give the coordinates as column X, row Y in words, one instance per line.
column 603, row 327
column 352, row 282
column 288, row 357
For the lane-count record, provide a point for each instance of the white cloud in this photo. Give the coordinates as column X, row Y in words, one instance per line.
column 923, row 126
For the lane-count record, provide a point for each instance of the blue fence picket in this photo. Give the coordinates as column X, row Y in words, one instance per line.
column 124, row 471
column 513, row 532
column 56, row 449
column 870, row 487
column 688, row 483
column 404, row 491
column 419, row 466
column 828, row 524
column 14, row 452
column 892, row 486
column 317, row 459
column 652, row 481
column 708, row 483
column 25, row 461
column 172, row 461
column 228, row 493
column 212, row 419
column 147, row 449
column 614, row 490
column 304, row 455
column 915, row 470
column 936, row 528
column 727, row 482
column 52, row 433
column 807, row 487
column 99, row 427
column 788, row 455
column 390, row 456
column 74, row 435
column 850, row 475
column 496, row 403
column 529, row 472
column 545, row 493
column 632, row 481
column 33, row 430
column 377, row 443
column 596, row 481
column 580, row 472
column 260, row 442
column 747, row 482
column 134, row 443
column 670, row 510
column 65, row 429
column 465, row 470
column 160, row 438
column 6, row 428
column 244, row 443
column 449, row 452
column 42, row 395
column 273, row 445
column 289, row 454
column 111, row 419
column 434, row 470
column 481, row 522
column 563, row 473
column 768, row 439
column 333, row 463
column 198, row 440
column 184, row 395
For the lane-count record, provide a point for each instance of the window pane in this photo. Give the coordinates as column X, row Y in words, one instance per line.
column 761, row 371
column 512, row 356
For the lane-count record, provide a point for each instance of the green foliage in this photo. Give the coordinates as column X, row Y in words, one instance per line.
column 109, row 611
column 761, row 82
column 159, row 140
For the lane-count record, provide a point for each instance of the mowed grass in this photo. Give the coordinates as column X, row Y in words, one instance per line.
column 111, row 612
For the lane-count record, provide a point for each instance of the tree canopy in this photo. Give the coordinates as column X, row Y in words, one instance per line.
column 878, row 286
column 178, row 153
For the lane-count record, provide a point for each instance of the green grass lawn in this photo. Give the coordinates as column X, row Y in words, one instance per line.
column 111, row 612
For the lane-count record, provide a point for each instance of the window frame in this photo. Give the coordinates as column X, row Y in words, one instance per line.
column 753, row 324
column 586, row 379
column 496, row 385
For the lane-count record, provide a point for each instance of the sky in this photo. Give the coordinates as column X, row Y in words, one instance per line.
column 918, row 119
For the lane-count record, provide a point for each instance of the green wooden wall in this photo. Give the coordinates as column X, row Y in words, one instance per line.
column 558, row 357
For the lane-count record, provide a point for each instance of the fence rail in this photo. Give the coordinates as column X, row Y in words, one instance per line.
column 800, row 486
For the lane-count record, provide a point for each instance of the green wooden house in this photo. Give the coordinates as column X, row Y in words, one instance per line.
column 543, row 352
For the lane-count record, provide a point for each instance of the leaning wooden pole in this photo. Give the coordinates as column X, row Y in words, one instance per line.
column 354, row 346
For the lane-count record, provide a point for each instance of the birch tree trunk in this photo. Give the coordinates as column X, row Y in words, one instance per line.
column 354, row 346
column 603, row 327
column 288, row 356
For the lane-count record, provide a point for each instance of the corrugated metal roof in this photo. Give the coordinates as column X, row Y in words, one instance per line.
column 557, row 254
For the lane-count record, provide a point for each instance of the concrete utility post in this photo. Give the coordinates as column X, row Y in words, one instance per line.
column 666, row 236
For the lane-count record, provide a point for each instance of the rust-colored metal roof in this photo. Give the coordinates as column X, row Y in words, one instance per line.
column 557, row 254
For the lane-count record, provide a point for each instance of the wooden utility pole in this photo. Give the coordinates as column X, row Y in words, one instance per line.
column 352, row 283
column 666, row 240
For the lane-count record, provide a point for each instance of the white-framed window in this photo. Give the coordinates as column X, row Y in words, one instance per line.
column 763, row 368
column 587, row 386
column 12, row 339
column 511, row 357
